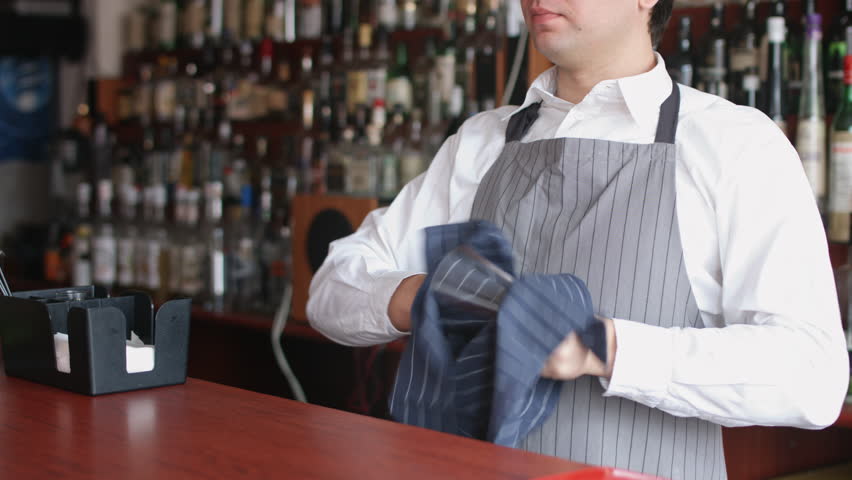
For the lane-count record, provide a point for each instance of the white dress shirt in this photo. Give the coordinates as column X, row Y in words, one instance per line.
column 753, row 245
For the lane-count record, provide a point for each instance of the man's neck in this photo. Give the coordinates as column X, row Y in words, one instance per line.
column 576, row 80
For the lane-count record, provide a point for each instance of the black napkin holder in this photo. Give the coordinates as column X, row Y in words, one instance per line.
column 97, row 327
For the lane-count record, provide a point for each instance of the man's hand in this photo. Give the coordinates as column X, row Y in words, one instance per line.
column 572, row 359
column 399, row 308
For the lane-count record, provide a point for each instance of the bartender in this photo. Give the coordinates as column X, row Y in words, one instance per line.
column 689, row 219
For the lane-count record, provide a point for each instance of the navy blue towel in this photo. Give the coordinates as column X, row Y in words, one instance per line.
column 471, row 371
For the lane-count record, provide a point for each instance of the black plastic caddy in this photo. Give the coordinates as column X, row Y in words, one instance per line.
column 97, row 327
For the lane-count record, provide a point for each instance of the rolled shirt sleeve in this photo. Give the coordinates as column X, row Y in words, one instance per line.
column 774, row 351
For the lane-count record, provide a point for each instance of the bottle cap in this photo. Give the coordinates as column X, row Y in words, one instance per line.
column 776, row 29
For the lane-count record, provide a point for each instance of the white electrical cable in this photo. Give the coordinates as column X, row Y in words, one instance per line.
column 277, row 329
column 516, row 67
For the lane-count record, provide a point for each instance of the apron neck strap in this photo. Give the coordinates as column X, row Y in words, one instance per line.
column 667, row 123
column 521, row 122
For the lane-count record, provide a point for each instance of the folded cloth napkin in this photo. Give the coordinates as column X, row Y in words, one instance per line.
column 140, row 357
column 480, row 338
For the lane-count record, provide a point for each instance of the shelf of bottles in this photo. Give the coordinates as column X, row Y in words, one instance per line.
column 787, row 59
column 228, row 108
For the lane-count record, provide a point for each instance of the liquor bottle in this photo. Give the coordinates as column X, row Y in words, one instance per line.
column 714, row 69
column 388, row 14
column 240, row 249
column 310, row 19
column 486, row 72
column 361, row 171
column 386, row 152
column 81, row 254
column 357, row 73
column 835, row 52
column 144, row 95
column 308, row 94
column 215, row 271
column 421, row 72
column 174, row 247
column 412, row 160
column 215, row 21
column 128, row 231
column 409, row 14
column 840, row 174
column 810, row 134
column 377, row 73
column 399, row 88
column 796, row 32
column 335, row 12
column 775, row 102
column 168, row 24
column 134, row 39
column 325, row 101
column 232, row 22
column 103, row 240
column 266, row 239
column 274, row 23
column 339, row 159
column 192, row 248
column 680, row 65
column 156, row 236
column 165, row 90
column 194, row 20
column 743, row 56
column 253, row 25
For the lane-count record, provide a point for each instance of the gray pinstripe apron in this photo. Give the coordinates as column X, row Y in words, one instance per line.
column 605, row 212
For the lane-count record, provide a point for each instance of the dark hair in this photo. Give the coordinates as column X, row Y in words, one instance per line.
column 660, row 15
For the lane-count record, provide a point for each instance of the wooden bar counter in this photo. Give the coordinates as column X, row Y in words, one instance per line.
column 207, row 430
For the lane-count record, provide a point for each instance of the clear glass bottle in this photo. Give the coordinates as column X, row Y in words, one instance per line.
column 744, row 55
column 810, row 134
column 835, row 52
column 81, row 251
column 714, row 69
column 840, row 169
column 413, row 161
column 775, row 104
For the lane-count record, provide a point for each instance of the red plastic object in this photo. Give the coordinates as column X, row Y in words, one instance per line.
column 599, row 473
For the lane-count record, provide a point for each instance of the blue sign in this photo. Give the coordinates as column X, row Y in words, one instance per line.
column 27, row 105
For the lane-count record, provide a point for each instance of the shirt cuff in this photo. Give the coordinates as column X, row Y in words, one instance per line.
column 382, row 290
column 642, row 367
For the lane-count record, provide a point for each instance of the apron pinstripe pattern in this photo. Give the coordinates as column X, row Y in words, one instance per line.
column 605, row 212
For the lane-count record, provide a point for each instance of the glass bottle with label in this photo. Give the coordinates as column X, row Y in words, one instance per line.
column 399, row 89
column 193, row 23
column 681, row 65
column 310, row 19
column 388, row 14
column 214, row 234
column 81, row 253
column 413, row 161
column 714, row 69
column 193, row 249
column 232, row 20
column 339, row 159
column 240, row 250
column 810, row 134
column 362, row 172
column 168, row 24
column 357, row 74
column 103, row 241
column 743, row 55
column 840, row 170
column 775, row 99
column 377, row 73
column 835, row 52
column 127, row 230
column 253, row 25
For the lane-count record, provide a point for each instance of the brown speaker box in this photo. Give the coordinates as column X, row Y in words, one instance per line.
column 317, row 221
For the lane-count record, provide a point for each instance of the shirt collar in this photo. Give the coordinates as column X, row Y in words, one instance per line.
column 642, row 94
